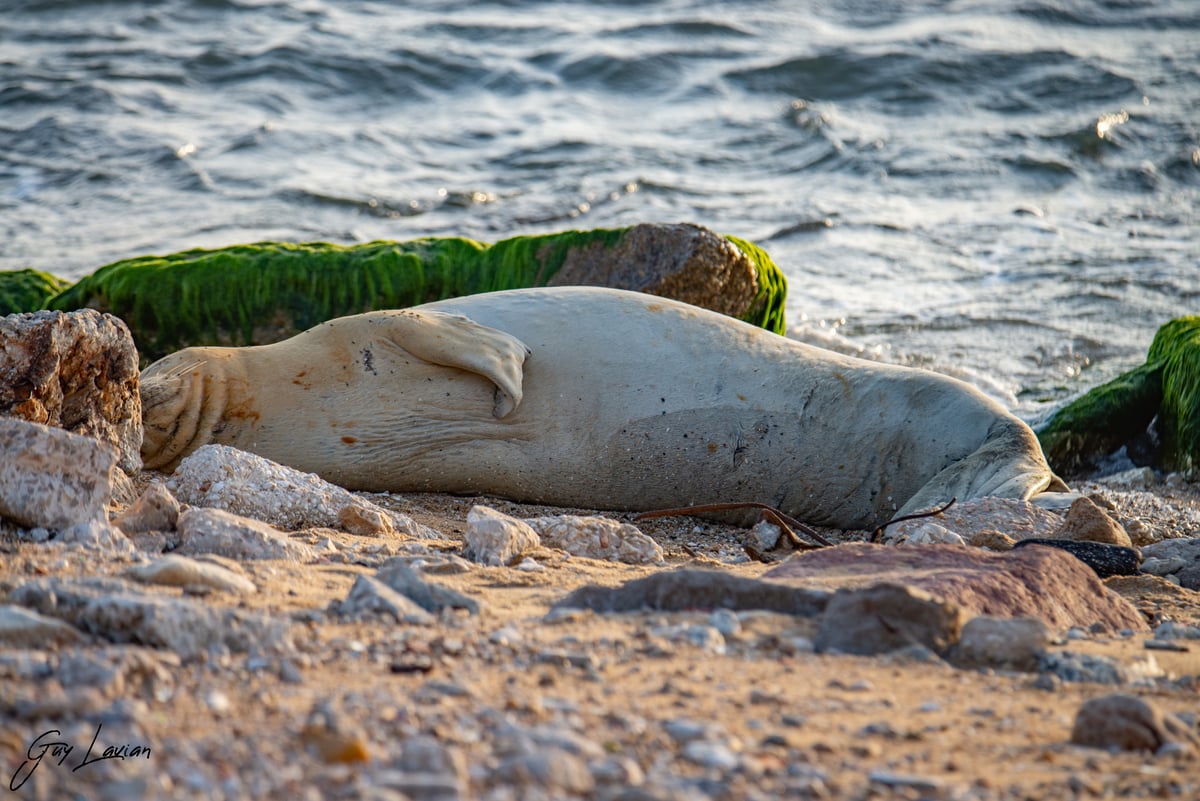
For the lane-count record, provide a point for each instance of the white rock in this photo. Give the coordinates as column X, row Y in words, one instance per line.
column 1135, row 478
column 929, row 533
column 179, row 571
column 225, row 534
column 97, row 534
column 222, row 477
column 51, row 478
column 764, row 535
column 493, row 538
column 597, row 538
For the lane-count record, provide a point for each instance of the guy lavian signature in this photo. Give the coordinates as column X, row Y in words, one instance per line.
column 49, row 744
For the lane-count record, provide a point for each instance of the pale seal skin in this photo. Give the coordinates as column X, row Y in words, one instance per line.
column 594, row 398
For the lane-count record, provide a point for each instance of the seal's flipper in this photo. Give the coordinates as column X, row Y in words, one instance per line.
column 453, row 340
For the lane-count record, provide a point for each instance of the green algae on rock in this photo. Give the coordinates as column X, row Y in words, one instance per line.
column 27, row 290
column 264, row 292
column 1165, row 391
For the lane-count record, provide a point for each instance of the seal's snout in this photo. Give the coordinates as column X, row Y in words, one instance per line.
column 172, row 397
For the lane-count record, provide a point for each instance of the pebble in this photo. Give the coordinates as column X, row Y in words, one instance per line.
column 1074, row 667
column 397, row 574
column 246, row 484
column 180, row 571
column 597, row 538
column 156, row 509
column 1001, row 643
column 1129, row 723
column 226, row 534
column 710, row 754
column 370, row 597
column 496, row 539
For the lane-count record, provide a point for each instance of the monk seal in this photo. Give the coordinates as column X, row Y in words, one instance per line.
column 596, row 398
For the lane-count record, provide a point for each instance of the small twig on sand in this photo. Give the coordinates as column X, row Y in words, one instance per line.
column 877, row 533
column 789, row 525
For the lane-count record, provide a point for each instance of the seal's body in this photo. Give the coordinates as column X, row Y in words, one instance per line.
column 594, row 398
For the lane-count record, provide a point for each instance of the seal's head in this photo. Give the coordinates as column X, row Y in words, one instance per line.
column 179, row 408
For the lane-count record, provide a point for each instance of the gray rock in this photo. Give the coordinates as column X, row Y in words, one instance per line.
column 219, row 532
column 1072, row 666
column 369, row 597
column 179, row 571
column 430, row 597
column 1129, row 723
column 51, row 478
column 1177, row 631
column 1186, row 549
column 1002, row 643
column 22, row 628
column 1189, row 577
column 885, row 617
column 677, row 590
column 121, row 613
column 552, row 770
column 76, row 371
column 222, row 477
column 709, row 754
column 496, row 539
column 1164, row 567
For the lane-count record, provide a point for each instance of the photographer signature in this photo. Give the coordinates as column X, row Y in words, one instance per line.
column 44, row 745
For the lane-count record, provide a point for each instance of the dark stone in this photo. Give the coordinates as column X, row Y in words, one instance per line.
column 430, row 597
column 1105, row 560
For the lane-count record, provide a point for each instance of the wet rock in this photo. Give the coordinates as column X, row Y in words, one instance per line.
column 1001, row 643
column 597, row 538
column 885, row 617
column 154, row 510
column 1085, row 521
column 1035, row 581
column 369, row 598
column 22, row 628
column 218, row 532
column 1129, row 723
column 222, row 477
column 76, row 371
column 121, row 613
column 677, row 590
column 431, row 597
column 493, row 538
column 681, row 261
column 179, row 571
column 51, row 478
column 1105, row 560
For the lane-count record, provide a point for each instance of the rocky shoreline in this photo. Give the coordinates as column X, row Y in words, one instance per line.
column 241, row 630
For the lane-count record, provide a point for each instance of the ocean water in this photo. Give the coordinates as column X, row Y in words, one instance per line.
column 1003, row 190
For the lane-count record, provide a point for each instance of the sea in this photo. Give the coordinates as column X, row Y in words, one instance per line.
column 1007, row 191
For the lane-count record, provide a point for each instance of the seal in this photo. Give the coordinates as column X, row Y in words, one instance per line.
column 595, row 398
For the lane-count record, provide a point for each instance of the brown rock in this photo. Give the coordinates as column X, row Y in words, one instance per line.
column 885, row 617
column 993, row 540
column 76, row 370
column 1128, row 723
column 154, row 510
column 682, row 261
column 1035, row 581
column 1086, row 521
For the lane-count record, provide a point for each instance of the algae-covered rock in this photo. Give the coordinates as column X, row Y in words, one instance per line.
column 1165, row 391
column 27, row 290
column 264, row 292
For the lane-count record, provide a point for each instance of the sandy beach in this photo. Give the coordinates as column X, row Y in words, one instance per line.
column 518, row 701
